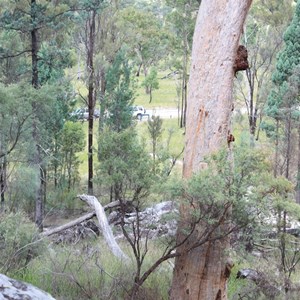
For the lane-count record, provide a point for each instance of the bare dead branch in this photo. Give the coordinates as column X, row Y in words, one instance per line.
column 106, row 230
column 79, row 220
column 15, row 54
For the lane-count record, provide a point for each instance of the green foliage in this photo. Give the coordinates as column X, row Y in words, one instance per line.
column 165, row 95
column 165, row 145
column 248, row 186
column 52, row 62
column 155, row 131
column 12, row 69
column 151, row 82
column 21, row 19
column 91, row 5
column 22, row 189
column 181, row 19
column 72, row 141
column 119, row 94
column 274, row 12
column 145, row 36
column 288, row 59
column 72, row 138
column 91, row 272
column 17, row 240
column 123, row 164
column 14, row 116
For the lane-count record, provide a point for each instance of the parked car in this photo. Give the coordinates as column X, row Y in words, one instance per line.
column 83, row 113
column 138, row 111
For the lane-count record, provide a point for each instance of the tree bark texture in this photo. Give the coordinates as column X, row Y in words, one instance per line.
column 91, row 97
column 202, row 273
column 3, row 177
column 298, row 170
column 40, row 192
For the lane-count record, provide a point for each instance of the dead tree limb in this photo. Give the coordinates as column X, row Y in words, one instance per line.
column 68, row 225
column 79, row 220
column 93, row 202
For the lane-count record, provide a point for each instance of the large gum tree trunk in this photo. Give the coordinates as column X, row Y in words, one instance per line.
column 202, row 273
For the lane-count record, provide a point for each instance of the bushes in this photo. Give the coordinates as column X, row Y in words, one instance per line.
column 90, row 271
column 17, row 241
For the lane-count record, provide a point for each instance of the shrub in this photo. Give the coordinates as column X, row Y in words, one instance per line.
column 17, row 241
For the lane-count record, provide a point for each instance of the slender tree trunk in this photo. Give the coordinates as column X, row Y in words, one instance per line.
column 56, row 166
column 147, row 91
column 39, row 199
column 252, row 113
column 91, row 99
column 276, row 149
column 202, row 273
column 3, row 167
column 34, row 48
column 184, row 79
column 288, row 145
column 102, row 100
column 150, row 94
column 298, row 171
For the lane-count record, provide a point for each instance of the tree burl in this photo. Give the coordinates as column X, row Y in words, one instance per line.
column 241, row 60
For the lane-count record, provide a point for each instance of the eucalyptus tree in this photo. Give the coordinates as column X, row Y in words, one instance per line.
column 146, row 37
column 181, row 20
column 35, row 22
column 99, row 38
column 14, row 120
column 119, row 94
column 201, row 270
column 72, row 138
column 91, row 10
column 282, row 104
column 263, row 39
column 283, row 108
column 151, row 82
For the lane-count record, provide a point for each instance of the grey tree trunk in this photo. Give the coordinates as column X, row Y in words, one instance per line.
column 298, row 171
column 3, row 169
column 202, row 273
column 91, row 96
column 40, row 192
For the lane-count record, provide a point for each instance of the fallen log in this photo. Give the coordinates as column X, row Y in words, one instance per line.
column 79, row 220
column 14, row 290
column 103, row 222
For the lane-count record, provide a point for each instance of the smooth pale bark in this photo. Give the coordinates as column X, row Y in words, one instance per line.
column 202, row 273
column 103, row 222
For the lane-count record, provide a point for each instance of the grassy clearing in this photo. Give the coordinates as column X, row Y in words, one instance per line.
column 165, row 96
column 170, row 127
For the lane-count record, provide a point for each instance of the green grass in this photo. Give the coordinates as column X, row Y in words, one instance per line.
column 176, row 142
column 169, row 126
column 90, row 271
column 165, row 96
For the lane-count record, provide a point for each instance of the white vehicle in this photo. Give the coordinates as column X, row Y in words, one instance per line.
column 83, row 113
column 138, row 112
